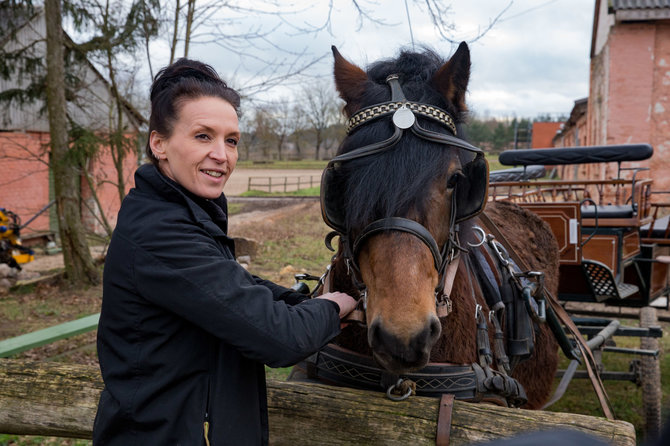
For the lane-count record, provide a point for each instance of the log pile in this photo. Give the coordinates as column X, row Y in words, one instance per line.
column 52, row 399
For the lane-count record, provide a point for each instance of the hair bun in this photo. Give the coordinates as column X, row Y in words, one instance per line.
column 181, row 70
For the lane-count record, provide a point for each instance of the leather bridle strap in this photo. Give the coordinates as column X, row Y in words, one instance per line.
column 562, row 315
column 444, row 419
column 402, row 225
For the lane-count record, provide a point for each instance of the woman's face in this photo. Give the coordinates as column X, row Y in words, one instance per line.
column 201, row 153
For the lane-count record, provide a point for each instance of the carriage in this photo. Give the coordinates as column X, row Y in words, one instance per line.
column 614, row 241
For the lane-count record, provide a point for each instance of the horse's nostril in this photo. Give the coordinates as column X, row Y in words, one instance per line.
column 374, row 334
column 435, row 329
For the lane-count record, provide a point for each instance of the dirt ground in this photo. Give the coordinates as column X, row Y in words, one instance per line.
column 239, row 180
column 45, row 264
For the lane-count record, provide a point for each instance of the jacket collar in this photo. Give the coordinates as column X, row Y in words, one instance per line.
column 211, row 214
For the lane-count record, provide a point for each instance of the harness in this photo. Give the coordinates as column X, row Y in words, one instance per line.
column 519, row 296
column 511, row 296
column 474, row 382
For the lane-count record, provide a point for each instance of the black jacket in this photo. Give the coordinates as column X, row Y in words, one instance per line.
column 185, row 330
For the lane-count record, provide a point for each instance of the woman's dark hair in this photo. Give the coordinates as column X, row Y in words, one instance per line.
column 184, row 79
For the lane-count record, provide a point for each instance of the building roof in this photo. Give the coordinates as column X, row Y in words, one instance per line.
column 88, row 105
column 639, row 4
column 578, row 111
column 638, row 10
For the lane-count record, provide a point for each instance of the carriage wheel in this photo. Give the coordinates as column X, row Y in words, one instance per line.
column 650, row 376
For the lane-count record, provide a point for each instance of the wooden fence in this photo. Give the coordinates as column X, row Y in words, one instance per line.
column 60, row 400
column 283, row 184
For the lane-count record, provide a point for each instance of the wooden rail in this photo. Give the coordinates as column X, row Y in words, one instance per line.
column 282, row 184
column 60, row 400
column 19, row 344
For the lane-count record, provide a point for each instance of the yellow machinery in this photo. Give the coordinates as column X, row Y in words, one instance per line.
column 11, row 251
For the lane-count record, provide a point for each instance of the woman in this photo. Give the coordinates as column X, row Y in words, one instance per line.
column 185, row 330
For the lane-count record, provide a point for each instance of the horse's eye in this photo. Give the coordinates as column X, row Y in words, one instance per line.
column 454, row 179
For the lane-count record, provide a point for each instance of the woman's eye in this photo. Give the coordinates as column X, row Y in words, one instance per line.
column 202, row 136
column 232, row 141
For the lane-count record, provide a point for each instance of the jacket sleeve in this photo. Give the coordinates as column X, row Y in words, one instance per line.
column 191, row 277
column 279, row 292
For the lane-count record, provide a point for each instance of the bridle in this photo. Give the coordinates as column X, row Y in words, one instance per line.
column 463, row 206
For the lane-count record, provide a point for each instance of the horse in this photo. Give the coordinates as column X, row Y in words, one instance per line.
column 405, row 194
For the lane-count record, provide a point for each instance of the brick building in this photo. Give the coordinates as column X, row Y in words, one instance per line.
column 25, row 183
column 543, row 133
column 629, row 95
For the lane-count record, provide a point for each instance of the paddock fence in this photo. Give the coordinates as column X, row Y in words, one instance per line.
column 283, row 183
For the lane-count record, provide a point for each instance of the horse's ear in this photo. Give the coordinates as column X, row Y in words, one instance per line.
column 452, row 78
column 349, row 81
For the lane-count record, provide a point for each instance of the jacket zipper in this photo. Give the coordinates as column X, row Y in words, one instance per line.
column 206, row 423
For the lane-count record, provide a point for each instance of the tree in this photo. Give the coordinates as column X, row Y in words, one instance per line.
column 118, row 31
column 299, row 116
column 259, row 132
column 282, row 124
column 214, row 22
column 479, row 133
column 73, row 146
column 79, row 267
column 322, row 110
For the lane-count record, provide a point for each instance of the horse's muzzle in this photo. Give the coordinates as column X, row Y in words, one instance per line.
column 402, row 354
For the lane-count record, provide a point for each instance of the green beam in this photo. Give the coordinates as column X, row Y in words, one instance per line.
column 19, row 344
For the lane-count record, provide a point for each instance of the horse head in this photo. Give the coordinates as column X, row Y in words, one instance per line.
column 396, row 192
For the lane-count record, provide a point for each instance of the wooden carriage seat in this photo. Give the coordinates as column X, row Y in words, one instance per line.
column 611, row 215
column 608, row 211
column 658, row 233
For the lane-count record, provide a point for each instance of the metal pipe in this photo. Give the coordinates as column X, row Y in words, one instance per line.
column 563, row 385
column 632, row 351
column 604, row 334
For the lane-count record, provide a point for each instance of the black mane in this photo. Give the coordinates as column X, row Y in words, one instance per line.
column 396, row 181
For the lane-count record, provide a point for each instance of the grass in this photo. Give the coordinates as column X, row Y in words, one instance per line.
column 234, row 208
column 307, row 192
column 15, row 440
column 494, row 164
column 289, row 245
column 625, row 396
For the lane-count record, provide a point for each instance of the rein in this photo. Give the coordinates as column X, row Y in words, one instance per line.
column 557, row 309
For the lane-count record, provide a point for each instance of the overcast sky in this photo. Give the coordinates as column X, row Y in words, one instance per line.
column 535, row 59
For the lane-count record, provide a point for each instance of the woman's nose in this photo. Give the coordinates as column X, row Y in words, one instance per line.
column 218, row 152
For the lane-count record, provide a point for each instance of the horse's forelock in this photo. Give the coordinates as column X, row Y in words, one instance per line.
column 416, row 69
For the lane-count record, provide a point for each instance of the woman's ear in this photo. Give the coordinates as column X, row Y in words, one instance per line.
column 157, row 144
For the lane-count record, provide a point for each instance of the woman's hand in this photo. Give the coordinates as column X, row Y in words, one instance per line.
column 344, row 301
